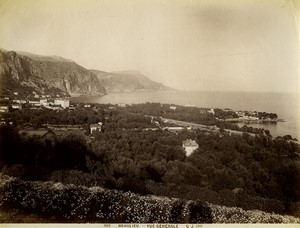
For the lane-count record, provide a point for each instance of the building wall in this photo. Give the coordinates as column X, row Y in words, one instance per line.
column 43, row 101
column 63, row 103
column 189, row 149
column 96, row 127
column 3, row 108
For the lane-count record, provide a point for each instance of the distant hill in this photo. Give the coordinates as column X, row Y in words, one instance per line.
column 127, row 81
column 25, row 72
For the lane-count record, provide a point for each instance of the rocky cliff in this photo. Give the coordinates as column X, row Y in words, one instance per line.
column 25, row 73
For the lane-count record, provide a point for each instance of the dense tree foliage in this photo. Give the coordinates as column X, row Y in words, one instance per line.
column 127, row 156
column 262, row 115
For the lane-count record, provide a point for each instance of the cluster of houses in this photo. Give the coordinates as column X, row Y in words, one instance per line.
column 55, row 104
column 253, row 116
column 249, row 116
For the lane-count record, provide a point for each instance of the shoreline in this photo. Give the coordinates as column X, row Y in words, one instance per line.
column 236, row 101
column 254, row 121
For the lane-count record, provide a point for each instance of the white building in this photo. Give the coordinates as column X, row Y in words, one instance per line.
column 44, row 102
column 122, row 105
column 189, row 146
column 62, row 102
column 174, row 129
column 35, row 103
column 3, row 108
column 173, row 107
column 96, row 127
column 212, row 111
column 240, row 113
column 16, row 106
column 19, row 101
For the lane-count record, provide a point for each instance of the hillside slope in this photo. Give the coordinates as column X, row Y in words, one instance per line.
column 25, row 73
column 127, row 81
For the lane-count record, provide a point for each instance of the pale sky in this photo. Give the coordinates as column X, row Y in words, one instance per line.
column 214, row 45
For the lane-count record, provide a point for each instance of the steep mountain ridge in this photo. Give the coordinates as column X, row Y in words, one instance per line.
column 127, row 81
column 46, row 75
column 25, row 73
column 52, row 58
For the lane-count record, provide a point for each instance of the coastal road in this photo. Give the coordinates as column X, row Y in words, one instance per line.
column 201, row 126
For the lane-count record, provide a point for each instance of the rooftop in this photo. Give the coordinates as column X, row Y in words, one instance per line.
column 189, row 142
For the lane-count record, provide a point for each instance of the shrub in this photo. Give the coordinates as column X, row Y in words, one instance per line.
column 71, row 203
column 200, row 212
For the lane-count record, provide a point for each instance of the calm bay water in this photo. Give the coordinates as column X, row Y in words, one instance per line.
column 287, row 106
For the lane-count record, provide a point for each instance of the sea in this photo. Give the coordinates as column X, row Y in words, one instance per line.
column 285, row 105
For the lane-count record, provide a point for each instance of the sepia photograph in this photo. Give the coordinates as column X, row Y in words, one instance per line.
column 149, row 113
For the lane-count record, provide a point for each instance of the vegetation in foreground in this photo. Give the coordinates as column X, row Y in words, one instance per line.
column 55, row 202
